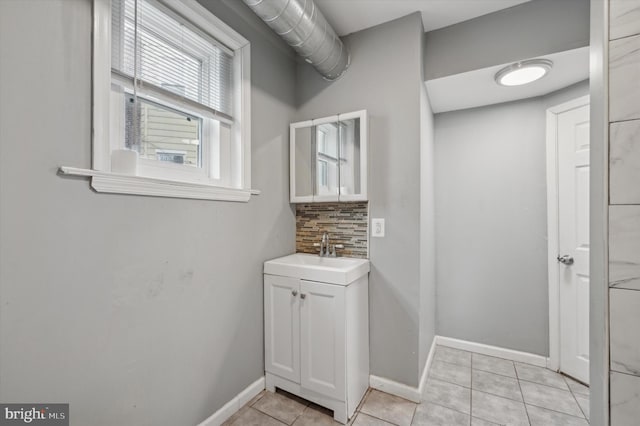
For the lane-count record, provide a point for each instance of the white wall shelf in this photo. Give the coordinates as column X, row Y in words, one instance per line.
column 116, row 183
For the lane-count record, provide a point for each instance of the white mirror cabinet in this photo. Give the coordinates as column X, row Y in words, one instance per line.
column 328, row 159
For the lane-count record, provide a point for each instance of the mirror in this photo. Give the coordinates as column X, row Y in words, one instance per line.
column 350, row 157
column 328, row 159
column 327, row 154
column 303, row 163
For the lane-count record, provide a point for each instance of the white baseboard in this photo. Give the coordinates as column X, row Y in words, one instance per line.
column 427, row 366
column 233, row 406
column 496, row 351
column 400, row 389
column 395, row 388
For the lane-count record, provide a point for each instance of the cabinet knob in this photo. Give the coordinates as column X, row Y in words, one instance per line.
column 303, row 296
column 294, row 292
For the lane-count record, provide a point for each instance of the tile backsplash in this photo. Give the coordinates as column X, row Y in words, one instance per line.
column 346, row 223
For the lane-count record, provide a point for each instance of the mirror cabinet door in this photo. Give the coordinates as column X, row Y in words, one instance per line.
column 329, row 159
column 350, row 173
column 304, row 160
column 327, row 145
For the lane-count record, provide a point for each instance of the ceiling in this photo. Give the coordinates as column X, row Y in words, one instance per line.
column 466, row 90
column 478, row 88
column 348, row 16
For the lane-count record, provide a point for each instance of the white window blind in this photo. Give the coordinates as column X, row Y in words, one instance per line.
column 155, row 53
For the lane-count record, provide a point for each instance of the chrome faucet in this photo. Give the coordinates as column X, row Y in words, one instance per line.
column 324, row 245
column 326, row 249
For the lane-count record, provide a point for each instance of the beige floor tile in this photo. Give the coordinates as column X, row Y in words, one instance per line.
column 452, row 356
column 364, row 398
column 550, row 398
column 448, row 395
column 497, row 409
column 492, row 364
column 479, row 422
column 280, row 406
column 542, row 417
column 255, row 398
column 251, row 417
column 389, row 408
column 316, row 415
column 363, row 419
column 451, row 373
column 496, row 384
column 532, row 373
column 583, row 402
column 576, row 387
column 428, row 414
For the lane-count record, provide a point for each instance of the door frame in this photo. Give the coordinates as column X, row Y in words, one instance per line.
column 553, row 362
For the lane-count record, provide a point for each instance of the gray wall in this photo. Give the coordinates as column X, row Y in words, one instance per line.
column 427, row 229
column 535, row 28
column 491, row 223
column 385, row 78
column 105, row 304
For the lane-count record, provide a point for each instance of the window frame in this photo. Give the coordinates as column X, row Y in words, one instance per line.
column 237, row 156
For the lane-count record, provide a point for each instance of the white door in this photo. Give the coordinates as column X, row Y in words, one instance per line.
column 282, row 326
column 573, row 231
column 322, row 338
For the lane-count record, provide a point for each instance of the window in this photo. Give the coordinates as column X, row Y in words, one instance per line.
column 171, row 82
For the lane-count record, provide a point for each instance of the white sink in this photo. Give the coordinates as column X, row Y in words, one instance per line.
column 334, row 270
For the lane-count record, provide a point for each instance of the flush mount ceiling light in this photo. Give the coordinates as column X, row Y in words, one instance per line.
column 523, row 72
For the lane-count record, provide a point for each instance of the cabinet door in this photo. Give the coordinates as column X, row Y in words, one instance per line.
column 322, row 338
column 302, row 157
column 353, row 156
column 327, row 159
column 282, row 326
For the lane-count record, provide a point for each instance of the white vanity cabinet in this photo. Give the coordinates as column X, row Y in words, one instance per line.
column 317, row 341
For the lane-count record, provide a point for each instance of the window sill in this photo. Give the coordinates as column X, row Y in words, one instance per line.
column 138, row 185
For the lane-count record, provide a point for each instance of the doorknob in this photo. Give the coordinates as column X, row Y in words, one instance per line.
column 294, row 293
column 566, row 259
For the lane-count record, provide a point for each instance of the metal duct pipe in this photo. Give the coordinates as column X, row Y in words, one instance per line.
column 301, row 24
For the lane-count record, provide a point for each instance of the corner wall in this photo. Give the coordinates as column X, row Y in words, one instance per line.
column 135, row 310
column 507, row 35
column 491, row 198
column 428, row 273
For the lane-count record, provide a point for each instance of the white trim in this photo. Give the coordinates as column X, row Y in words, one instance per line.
column 201, row 17
column 427, row 366
column 395, row 388
column 402, row 390
column 101, row 63
column 233, row 406
column 495, row 351
column 325, row 120
column 553, row 226
column 116, row 183
column 239, row 180
column 364, row 155
column 243, row 123
column 292, row 163
column 569, row 105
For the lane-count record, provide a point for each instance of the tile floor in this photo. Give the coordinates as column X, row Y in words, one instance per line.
column 463, row 388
